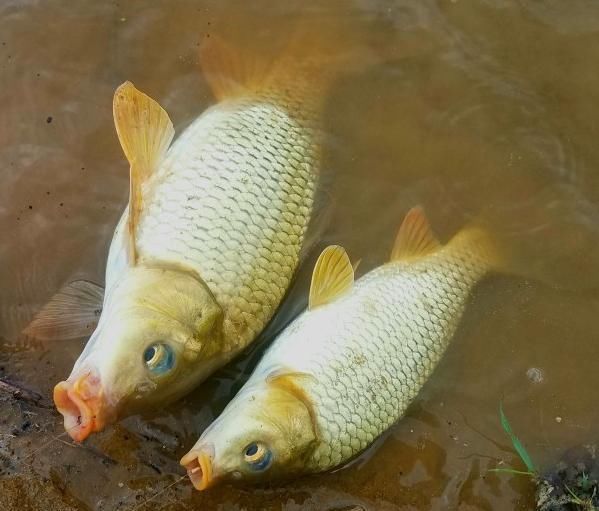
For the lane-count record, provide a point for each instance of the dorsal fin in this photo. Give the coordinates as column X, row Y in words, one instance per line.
column 415, row 238
column 145, row 132
column 333, row 275
column 230, row 72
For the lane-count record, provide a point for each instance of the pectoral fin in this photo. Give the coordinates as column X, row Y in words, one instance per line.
column 73, row 312
column 145, row 133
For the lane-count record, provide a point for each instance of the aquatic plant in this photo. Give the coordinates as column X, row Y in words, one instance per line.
column 582, row 502
column 518, row 447
column 565, row 487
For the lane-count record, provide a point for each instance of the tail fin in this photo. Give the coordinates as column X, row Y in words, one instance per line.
column 494, row 250
column 313, row 56
column 477, row 242
column 415, row 239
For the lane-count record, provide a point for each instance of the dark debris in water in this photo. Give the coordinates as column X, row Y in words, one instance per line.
column 573, row 484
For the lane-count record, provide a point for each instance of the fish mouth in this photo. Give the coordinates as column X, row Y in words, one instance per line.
column 198, row 464
column 81, row 404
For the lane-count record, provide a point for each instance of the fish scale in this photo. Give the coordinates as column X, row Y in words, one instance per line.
column 370, row 351
column 233, row 200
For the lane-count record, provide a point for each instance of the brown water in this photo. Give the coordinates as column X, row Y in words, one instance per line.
column 470, row 108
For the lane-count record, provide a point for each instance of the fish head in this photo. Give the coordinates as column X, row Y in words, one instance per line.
column 265, row 433
column 157, row 337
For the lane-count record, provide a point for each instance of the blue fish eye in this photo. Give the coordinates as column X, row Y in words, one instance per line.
column 257, row 456
column 159, row 358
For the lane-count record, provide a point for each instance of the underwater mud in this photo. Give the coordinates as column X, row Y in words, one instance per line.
column 572, row 484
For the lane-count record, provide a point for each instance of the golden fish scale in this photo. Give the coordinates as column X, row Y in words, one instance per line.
column 232, row 200
column 372, row 350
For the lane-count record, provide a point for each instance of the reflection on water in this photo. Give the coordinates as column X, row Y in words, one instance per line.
column 473, row 109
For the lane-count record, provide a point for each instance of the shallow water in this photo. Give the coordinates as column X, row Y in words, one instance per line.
column 485, row 109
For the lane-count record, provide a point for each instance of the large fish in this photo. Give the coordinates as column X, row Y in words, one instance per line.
column 209, row 242
column 347, row 368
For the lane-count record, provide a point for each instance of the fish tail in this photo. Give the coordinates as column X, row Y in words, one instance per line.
column 315, row 54
column 477, row 242
column 474, row 243
column 318, row 52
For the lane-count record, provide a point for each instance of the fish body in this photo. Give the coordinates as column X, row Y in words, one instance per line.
column 231, row 201
column 208, row 244
column 353, row 362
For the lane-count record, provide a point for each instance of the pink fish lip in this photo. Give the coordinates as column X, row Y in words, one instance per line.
column 81, row 402
column 198, row 463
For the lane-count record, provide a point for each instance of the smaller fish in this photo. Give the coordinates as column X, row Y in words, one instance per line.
column 348, row 367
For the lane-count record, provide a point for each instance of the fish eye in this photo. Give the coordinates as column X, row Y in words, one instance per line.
column 257, row 456
column 159, row 358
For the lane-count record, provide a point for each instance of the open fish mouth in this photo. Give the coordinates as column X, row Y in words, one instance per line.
column 80, row 402
column 198, row 464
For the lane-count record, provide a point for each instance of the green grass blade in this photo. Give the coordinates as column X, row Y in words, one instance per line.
column 522, row 452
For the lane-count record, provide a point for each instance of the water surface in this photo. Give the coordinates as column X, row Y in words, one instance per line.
column 473, row 109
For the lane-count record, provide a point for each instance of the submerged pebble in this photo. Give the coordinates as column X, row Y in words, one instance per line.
column 535, row 375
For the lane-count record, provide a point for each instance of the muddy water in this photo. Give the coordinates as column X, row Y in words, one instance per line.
column 483, row 109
